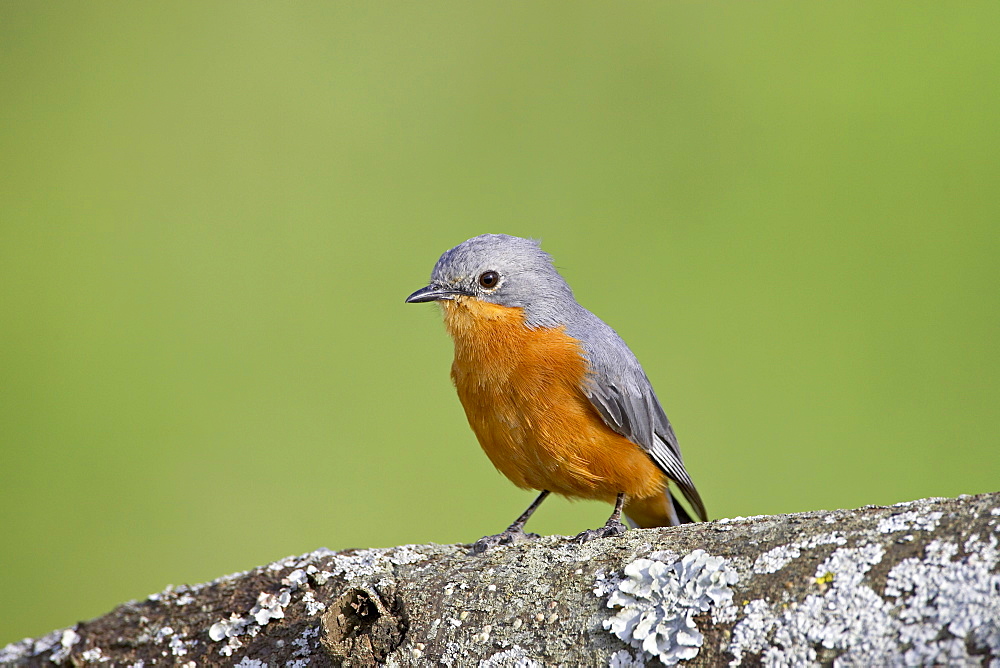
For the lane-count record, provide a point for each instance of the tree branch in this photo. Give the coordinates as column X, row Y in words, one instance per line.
column 911, row 584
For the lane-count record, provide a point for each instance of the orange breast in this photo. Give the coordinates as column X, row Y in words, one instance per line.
column 521, row 390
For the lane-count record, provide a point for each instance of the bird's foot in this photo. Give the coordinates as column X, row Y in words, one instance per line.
column 613, row 528
column 512, row 536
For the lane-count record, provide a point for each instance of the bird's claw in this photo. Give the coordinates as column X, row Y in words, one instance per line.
column 511, row 536
column 609, row 530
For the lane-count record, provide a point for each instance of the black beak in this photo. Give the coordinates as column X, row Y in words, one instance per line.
column 432, row 293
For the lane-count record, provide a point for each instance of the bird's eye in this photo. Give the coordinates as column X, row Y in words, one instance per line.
column 489, row 279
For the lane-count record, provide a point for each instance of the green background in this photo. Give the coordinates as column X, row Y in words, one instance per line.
column 211, row 214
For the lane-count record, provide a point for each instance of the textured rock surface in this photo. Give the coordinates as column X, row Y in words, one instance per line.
column 912, row 584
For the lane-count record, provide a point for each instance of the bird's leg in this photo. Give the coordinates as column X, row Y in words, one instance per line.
column 613, row 527
column 514, row 533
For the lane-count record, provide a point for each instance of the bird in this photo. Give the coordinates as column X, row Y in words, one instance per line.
column 557, row 400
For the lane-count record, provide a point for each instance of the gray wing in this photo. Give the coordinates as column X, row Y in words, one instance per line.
column 622, row 394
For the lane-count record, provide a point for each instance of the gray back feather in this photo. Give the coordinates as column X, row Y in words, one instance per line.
column 620, row 391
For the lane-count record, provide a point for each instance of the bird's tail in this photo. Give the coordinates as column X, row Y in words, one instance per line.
column 661, row 510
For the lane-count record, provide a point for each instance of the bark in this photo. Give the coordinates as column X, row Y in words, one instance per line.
column 911, row 584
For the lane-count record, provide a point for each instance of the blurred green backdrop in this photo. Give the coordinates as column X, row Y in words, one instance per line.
column 211, row 214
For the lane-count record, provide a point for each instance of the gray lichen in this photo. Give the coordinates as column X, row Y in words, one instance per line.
column 913, row 520
column 58, row 644
column 515, row 657
column 657, row 603
column 625, row 659
column 777, row 558
column 944, row 592
column 931, row 610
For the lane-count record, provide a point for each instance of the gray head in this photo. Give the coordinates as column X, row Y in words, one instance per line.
column 503, row 270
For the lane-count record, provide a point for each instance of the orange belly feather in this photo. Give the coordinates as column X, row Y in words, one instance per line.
column 521, row 390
